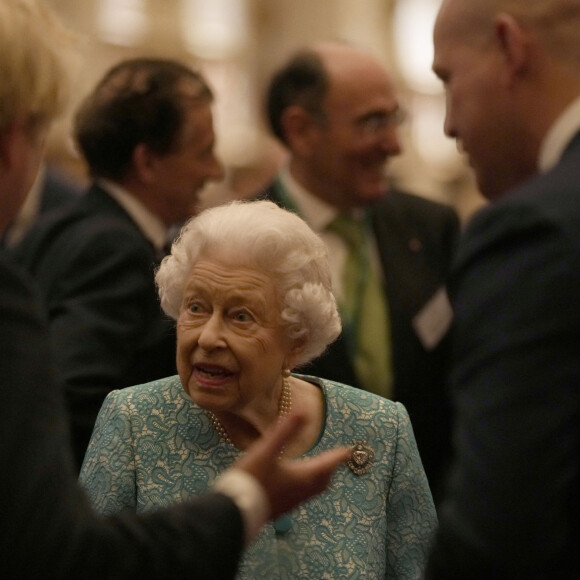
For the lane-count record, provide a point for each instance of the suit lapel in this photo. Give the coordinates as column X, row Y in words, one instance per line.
column 98, row 198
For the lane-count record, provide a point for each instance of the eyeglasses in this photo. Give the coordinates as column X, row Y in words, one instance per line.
column 377, row 122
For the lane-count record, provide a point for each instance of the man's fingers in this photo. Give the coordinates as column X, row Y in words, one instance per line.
column 306, row 478
column 270, row 445
column 279, row 436
column 332, row 458
column 327, row 462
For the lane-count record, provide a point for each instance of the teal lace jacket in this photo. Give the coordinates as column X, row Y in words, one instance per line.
column 152, row 446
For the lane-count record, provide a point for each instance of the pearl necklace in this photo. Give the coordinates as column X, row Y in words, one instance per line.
column 284, row 407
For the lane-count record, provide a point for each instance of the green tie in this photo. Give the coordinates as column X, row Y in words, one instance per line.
column 364, row 312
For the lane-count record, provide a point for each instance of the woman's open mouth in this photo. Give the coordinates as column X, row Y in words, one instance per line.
column 211, row 375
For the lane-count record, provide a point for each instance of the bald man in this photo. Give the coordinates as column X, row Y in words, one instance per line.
column 511, row 70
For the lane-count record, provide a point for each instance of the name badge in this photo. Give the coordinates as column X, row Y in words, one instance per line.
column 433, row 321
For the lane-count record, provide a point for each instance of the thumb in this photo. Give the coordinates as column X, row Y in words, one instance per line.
column 266, row 450
column 279, row 435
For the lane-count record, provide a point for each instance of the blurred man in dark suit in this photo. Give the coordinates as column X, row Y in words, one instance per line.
column 146, row 132
column 511, row 70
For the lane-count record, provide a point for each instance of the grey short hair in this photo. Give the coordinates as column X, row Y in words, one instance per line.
column 274, row 240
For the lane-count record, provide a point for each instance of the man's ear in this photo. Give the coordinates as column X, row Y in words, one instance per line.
column 515, row 44
column 298, row 126
column 144, row 162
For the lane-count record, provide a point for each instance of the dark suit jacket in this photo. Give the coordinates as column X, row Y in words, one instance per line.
column 47, row 529
column 95, row 271
column 513, row 507
column 416, row 239
column 57, row 191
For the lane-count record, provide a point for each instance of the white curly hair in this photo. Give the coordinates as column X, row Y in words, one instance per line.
column 273, row 240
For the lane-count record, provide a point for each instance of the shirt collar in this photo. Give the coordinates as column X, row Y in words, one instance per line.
column 316, row 213
column 559, row 136
column 151, row 226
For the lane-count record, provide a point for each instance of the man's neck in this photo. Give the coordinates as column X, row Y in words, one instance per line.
column 150, row 224
column 310, row 182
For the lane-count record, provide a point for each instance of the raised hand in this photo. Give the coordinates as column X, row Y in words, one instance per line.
column 287, row 482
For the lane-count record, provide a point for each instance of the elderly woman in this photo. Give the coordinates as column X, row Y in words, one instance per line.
column 249, row 286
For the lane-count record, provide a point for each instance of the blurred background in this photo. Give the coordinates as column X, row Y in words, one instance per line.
column 237, row 44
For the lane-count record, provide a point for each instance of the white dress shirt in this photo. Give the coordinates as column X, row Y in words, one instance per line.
column 559, row 136
column 150, row 225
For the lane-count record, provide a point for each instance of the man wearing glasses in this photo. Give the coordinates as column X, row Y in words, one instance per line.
column 335, row 108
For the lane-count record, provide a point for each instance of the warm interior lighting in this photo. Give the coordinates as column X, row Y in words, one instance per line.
column 413, row 35
column 214, row 29
column 427, row 132
column 121, row 22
